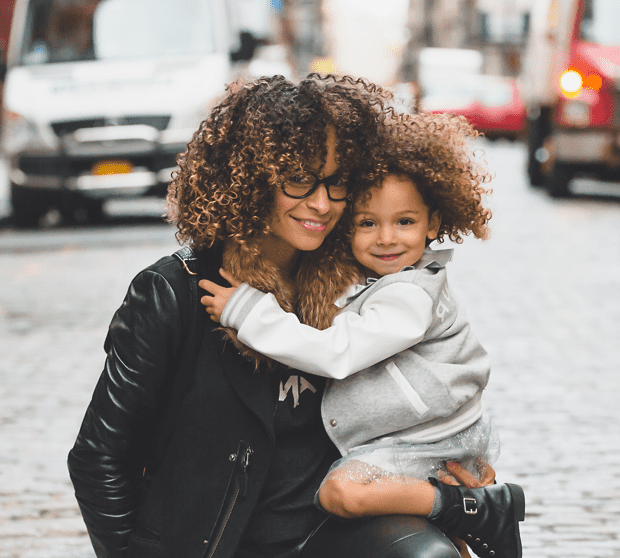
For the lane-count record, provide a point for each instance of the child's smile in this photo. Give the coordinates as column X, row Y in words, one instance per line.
column 388, row 257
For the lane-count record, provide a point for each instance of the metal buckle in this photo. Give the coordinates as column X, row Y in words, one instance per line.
column 470, row 506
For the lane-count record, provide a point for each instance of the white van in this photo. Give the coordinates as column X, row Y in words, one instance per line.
column 101, row 95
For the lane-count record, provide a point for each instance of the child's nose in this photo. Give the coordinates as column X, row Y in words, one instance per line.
column 386, row 235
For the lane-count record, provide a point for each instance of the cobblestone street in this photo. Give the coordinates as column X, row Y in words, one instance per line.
column 543, row 296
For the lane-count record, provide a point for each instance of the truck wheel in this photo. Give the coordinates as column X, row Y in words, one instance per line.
column 558, row 185
column 534, row 172
column 28, row 207
column 537, row 131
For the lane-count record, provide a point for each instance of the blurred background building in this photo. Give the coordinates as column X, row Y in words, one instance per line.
column 399, row 29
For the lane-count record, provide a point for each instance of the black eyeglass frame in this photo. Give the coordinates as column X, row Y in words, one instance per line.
column 327, row 182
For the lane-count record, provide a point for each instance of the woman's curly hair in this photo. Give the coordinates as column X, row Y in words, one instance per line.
column 434, row 152
column 225, row 185
column 258, row 135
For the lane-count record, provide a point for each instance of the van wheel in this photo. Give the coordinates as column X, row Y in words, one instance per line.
column 558, row 186
column 94, row 210
column 28, row 207
column 80, row 210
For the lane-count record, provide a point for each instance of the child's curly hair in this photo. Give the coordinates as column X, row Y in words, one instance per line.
column 260, row 132
column 432, row 151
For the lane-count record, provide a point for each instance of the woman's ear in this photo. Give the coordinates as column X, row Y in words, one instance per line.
column 434, row 222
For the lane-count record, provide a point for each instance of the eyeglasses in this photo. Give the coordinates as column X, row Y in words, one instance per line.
column 337, row 188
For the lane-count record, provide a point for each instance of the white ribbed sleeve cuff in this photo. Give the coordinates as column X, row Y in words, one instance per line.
column 239, row 306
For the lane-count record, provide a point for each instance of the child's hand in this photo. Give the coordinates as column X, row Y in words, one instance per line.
column 215, row 304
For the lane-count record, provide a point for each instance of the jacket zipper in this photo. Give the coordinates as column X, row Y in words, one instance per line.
column 244, row 471
column 242, row 487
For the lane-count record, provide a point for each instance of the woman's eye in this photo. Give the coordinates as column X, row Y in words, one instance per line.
column 298, row 180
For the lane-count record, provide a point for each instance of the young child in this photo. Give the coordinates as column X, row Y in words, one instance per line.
column 406, row 372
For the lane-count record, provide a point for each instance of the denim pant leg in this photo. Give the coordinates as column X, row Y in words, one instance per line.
column 392, row 536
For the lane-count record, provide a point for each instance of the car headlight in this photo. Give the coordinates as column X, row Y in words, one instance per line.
column 18, row 132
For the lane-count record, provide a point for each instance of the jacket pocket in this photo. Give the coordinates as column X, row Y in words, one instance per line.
column 408, row 391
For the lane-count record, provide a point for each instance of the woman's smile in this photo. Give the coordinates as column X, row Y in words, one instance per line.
column 312, row 224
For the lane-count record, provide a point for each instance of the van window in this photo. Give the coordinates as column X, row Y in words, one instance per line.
column 74, row 30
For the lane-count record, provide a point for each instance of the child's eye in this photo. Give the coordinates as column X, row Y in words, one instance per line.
column 406, row 221
column 365, row 223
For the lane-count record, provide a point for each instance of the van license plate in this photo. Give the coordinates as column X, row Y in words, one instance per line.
column 111, row 166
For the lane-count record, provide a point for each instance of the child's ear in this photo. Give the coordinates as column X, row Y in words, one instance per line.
column 434, row 222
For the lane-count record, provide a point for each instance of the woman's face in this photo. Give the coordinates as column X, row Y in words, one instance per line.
column 303, row 224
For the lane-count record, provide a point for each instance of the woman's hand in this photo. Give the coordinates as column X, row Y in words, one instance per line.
column 220, row 295
column 458, row 475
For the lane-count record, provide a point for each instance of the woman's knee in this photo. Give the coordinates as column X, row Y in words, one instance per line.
column 397, row 536
column 421, row 545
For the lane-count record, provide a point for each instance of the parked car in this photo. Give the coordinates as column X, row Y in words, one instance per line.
column 492, row 104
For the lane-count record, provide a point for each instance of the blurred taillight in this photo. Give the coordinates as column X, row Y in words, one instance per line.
column 571, row 83
column 593, row 81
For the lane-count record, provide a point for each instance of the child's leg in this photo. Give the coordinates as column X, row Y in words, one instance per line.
column 356, row 489
column 360, row 490
column 486, row 518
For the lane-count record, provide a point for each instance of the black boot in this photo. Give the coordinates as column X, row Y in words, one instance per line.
column 487, row 519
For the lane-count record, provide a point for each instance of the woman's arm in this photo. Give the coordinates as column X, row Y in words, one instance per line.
column 106, row 461
column 392, row 319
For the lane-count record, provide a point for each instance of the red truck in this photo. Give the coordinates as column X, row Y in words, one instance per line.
column 571, row 85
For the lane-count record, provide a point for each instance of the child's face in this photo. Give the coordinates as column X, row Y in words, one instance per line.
column 392, row 228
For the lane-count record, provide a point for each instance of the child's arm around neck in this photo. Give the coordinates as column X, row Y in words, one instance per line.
column 391, row 319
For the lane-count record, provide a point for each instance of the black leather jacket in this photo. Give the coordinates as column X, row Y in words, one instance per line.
column 209, row 479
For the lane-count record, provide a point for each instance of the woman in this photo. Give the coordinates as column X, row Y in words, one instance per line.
column 237, row 474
